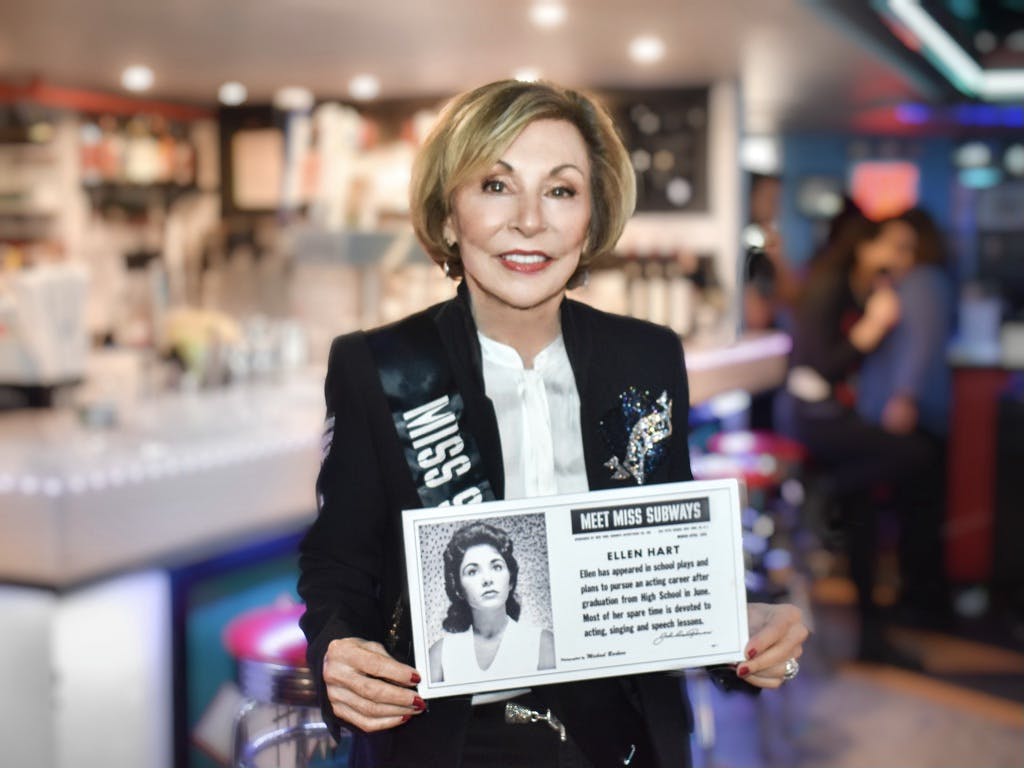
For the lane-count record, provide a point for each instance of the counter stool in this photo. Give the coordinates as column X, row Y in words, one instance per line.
column 270, row 653
column 766, row 462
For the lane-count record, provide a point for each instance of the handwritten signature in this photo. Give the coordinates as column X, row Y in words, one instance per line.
column 680, row 633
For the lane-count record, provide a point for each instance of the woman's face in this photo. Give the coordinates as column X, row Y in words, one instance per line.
column 522, row 224
column 484, row 577
column 891, row 251
column 901, row 239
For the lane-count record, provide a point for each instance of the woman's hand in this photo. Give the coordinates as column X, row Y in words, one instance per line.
column 900, row 415
column 367, row 687
column 777, row 635
column 881, row 313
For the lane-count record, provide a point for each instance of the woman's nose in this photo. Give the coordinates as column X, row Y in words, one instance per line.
column 529, row 215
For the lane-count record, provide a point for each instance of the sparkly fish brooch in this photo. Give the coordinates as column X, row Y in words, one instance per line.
column 647, row 425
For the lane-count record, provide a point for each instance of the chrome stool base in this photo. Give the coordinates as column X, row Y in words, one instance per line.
column 292, row 693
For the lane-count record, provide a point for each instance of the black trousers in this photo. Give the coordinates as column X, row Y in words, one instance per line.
column 860, row 461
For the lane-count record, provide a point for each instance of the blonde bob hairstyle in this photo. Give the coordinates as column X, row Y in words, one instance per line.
column 470, row 136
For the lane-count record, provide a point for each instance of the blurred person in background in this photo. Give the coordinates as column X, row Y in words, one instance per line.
column 846, row 311
column 518, row 188
column 771, row 284
column 905, row 387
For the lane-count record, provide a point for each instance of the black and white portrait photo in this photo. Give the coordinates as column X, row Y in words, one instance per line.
column 487, row 598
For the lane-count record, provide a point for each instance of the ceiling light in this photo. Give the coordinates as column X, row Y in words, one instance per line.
column 364, row 87
column 646, row 49
column 527, row 75
column 293, row 98
column 232, row 93
column 548, row 14
column 137, row 78
column 1015, row 41
column 761, row 154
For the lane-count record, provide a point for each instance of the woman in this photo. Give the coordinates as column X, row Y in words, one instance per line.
column 848, row 308
column 905, row 387
column 518, row 188
column 905, row 384
column 483, row 636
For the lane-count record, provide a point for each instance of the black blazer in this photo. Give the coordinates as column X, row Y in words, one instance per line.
column 352, row 569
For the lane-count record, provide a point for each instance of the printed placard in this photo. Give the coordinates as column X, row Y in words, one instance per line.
column 510, row 594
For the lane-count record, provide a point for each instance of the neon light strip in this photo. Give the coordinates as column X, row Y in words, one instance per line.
column 956, row 64
column 1004, row 84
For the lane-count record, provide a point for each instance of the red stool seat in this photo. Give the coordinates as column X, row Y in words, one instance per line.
column 270, row 653
column 270, row 634
column 760, row 442
column 757, row 471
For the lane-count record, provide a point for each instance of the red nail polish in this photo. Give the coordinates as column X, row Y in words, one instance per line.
column 406, row 718
column 415, row 678
column 751, row 653
column 419, row 704
column 743, row 671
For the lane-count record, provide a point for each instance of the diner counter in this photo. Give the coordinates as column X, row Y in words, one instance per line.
column 183, row 474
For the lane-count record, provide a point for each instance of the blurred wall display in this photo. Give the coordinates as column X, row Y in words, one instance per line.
column 252, row 156
column 1000, row 243
column 837, row 156
column 819, row 197
column 257, row 162
column 666, row 133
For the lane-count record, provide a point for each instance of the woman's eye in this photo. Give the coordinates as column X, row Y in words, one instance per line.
column 493, row 185
column 563, row 192
column 469, row 572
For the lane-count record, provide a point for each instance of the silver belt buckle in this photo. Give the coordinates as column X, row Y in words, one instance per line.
column 517, row 714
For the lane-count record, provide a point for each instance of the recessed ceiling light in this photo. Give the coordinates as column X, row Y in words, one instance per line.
column 293, row 98
column 646, row 49
column 548, row 14
column 364, row 87
column 527, row 75
column 137, row 78
column 232, row 93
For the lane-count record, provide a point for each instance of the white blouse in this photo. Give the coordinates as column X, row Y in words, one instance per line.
column 538, row 412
